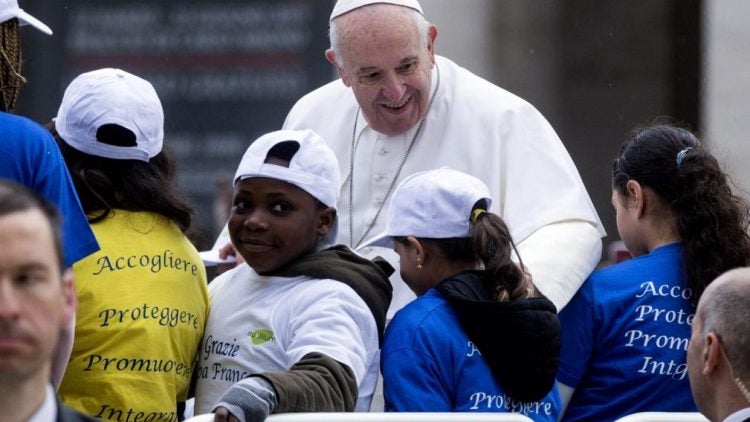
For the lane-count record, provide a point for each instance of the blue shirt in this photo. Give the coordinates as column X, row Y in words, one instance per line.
column 29, row 156
column 624, row 339
column 429, row 364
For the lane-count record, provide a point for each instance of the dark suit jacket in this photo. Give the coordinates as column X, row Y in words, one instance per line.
column 66, row 414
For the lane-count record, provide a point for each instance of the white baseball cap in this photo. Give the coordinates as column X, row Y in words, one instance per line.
column 111, row 97
column 9, row 9
column 433, row 204
column 313, row 167
column 345, row 6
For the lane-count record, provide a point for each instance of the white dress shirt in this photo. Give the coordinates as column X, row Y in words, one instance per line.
column 47, row 412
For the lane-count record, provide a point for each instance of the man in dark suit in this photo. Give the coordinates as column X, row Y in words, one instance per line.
column 718, row 355
column 37, row 300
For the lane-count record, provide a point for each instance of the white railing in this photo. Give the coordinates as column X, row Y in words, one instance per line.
column 384, row 417
column 664, row 417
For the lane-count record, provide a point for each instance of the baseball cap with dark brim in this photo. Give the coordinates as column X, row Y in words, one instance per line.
column 313, row 167
column 433, row 204
column 106, row 97
column 9, row 9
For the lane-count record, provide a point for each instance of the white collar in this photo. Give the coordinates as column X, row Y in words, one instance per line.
column 739, row 415
column 47, row 412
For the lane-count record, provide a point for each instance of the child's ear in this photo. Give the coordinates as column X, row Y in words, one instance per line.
column 636, row 197
column 326, row 218
column 418, row 249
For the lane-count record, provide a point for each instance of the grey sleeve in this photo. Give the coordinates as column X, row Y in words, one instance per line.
column 249, row 400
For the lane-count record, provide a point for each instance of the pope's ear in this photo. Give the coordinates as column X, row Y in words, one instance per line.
column 331, row 57
column 432, row 33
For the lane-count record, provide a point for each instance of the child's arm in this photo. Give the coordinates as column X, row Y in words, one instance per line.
column 316, row 383
column 250, row 400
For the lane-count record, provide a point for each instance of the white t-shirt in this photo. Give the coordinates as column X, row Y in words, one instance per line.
column 473, row 126
column 267, row 324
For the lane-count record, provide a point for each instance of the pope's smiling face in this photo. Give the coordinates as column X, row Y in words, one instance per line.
column 387, row 62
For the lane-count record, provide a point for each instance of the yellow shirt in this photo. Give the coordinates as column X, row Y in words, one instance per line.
column 143, row 304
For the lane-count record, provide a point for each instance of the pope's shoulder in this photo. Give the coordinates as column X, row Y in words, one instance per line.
column 462, row 86
column 331, row 96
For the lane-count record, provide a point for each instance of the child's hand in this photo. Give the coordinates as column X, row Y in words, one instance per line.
column 251, row 400
column 226, row 251
column 222, row 414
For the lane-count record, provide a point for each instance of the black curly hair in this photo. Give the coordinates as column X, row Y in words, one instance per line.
column 105, row 184
column 712, row 221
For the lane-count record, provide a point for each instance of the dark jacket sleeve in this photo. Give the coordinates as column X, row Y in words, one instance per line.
column 316, row 383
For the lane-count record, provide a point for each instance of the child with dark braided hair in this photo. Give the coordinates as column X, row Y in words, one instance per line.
column 30, row 157
column 479, row 337
column 28, row 154
column 625, row 333
column 11, row 79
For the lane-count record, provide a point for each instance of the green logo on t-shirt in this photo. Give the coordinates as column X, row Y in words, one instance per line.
column 261, row 336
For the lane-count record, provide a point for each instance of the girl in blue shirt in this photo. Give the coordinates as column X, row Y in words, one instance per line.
column 479, row 337
column 625, row 333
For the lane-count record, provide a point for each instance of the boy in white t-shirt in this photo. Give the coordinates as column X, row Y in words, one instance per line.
column 297, row 327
